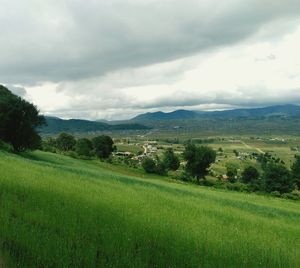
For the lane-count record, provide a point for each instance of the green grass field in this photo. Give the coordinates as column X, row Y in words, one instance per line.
column 61, row 212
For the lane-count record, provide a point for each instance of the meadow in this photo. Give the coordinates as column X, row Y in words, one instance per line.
column 62, row 212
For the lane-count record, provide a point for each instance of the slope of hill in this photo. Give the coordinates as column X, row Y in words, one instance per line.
column 61, row 212
column 56, row 125
column 178, row 114
column 278, row 110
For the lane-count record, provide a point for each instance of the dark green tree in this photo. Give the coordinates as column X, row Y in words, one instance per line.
column 65, row 142
column 170, row 160
column 103, row 146
column 160, row 167
column 198, row 160
column 83, row 147
column 19, row 121
column 250, row 175
column 296, row 171
column 231, row 174
column 149, row 165
column 278, row 178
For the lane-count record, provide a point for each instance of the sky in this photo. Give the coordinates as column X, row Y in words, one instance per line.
column 114, row 59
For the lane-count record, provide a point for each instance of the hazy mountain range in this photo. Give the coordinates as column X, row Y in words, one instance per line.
column 278, row 110
column 271, row 116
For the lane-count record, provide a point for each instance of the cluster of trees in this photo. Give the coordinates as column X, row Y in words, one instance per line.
column 168, row 162
column 198, row 160
column 101, row 146
column 19, row 120
column 275, row 178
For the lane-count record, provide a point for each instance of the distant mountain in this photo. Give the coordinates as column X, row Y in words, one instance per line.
column 56, row 125
column 278, row 110
column 178, row 114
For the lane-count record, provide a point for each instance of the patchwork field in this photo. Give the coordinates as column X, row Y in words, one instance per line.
column 61, row 212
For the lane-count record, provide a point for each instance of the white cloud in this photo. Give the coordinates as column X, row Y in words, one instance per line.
column 114, row 59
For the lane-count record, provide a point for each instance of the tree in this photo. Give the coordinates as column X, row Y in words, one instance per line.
column 231, row 174
column 19, row 120
column 83, row 147
column 149, row 165
column 65, row 142
column 250, row 175
column 160, row 167
column 103, row 146
column 296, row 171
column 278, row 178
column 170, row 160
column 198, row 160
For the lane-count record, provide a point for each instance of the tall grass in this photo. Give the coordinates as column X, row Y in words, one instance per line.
column 61, row 212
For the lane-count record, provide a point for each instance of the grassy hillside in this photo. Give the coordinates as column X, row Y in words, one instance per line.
column 61, row 212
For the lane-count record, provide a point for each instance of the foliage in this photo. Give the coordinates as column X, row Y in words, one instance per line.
column 83, row 147
column 65, row 142
column 6, row 147
column 18, row 121
column 250, row 175
column 296, row 170
column 149, row 165
column 231, row 174
column 278, row 178
column 198, row 160
column 170, row 160
column 103, row 146
column 160, row 167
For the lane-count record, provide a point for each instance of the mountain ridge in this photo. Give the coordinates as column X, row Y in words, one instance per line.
column 275, row 110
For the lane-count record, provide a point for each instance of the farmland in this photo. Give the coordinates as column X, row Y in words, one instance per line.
column 62, row 212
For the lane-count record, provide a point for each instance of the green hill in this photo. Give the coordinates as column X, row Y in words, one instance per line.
column 61, row 212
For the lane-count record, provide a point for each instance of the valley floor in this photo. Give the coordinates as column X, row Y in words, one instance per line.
column 61, row 212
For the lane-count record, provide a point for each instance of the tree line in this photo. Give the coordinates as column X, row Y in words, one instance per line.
column 100, row 146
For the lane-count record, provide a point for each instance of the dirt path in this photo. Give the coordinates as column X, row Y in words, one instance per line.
column 250, row 147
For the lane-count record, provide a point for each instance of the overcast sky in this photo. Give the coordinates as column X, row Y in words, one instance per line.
column 114, row 59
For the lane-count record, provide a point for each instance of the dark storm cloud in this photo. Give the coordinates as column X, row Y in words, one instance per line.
column 70, row 40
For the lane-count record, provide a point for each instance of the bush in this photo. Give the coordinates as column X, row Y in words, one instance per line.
column 237, row 186
column 295, row 195
column 184, row 176
column 149, row 165
column 275, row 194
column 6, row 147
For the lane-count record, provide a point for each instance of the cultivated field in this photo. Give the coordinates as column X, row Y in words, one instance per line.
column 61, row 212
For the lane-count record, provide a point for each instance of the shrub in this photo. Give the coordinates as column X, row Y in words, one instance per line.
column 295, row 195
column 237, row 186
column 6, row 147
column 149, row 165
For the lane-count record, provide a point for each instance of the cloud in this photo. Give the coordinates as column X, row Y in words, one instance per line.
column 115, row 59
column 68, row 40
